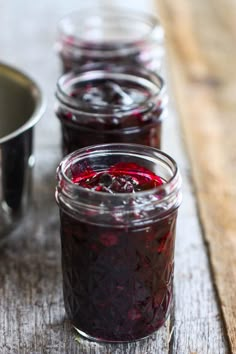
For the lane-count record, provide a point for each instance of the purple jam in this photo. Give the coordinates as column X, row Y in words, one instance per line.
column 138, row 56
column 107, row 111
column 106, row 95
column 118, row 280
column 120, row 178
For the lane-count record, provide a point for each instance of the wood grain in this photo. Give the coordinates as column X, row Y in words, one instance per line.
column 201, row 40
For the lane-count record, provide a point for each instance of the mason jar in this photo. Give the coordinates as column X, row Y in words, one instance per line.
column 118, row 243
column 110, row 35
column 108, row 104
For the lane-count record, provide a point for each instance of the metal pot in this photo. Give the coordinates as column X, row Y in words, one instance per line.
column 21, row 107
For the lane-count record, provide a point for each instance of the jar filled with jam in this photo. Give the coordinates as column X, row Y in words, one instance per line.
column 110, row 35
column 110, row 104
column 118, row 208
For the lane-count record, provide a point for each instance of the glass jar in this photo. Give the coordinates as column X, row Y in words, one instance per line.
column 110, row 35
column 117, row 249
column 108, row 104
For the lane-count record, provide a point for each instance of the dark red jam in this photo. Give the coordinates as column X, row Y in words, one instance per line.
column 138, row 56
column 108, row 96
column 118, row 280
column 104, row 110
column 120, row 178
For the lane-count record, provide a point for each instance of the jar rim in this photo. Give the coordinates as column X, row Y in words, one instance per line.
column 145, row 78
column 170, row 185
column 66, row 22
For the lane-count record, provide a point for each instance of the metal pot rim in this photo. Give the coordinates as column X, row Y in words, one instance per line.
column 39, row 99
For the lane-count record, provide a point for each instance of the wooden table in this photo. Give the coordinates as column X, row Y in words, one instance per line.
column 32, row 318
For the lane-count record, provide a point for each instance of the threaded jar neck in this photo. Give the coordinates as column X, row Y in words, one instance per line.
column 150, row 89
column 118, row 209
column 100, row 32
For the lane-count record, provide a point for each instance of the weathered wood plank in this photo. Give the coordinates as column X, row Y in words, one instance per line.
column 197, row 321
column 202, row 51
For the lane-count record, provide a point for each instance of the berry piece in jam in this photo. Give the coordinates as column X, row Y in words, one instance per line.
column 120, row 178
column 103, row 93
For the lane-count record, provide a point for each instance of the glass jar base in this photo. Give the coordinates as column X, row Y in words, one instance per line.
column 117, row 341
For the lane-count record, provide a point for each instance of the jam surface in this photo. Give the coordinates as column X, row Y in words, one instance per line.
column 107, row 95
column 108, row 111
column 120, row 178
column 117, row 281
